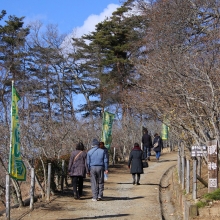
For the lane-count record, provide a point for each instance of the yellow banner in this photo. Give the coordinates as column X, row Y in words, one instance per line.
column 17, row 169
column 165, row 130
column 107, row 122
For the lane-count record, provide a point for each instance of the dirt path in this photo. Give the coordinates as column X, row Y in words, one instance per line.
column 122, row 200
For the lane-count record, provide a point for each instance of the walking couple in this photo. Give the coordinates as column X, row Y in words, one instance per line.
column 94, row 163
column 148, row 145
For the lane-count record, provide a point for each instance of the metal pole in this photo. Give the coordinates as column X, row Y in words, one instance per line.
column 199, row 166
column 48, row 181
column 183, row 172
column 179, row 166
column 7, row 196
column 114, row 157
column 62, row 177
column 32, row 189
column 194, row 192
column 187, row 176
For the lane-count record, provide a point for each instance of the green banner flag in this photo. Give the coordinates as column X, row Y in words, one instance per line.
column 16, row 168
column 164, row 132
column 107, row 122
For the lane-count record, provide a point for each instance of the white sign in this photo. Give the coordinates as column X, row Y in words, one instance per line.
column 212, row 166
column 198, row 151
column 212, row 149
column 213, row 183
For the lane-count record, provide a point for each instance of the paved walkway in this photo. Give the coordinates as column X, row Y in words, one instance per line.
column 123, row 201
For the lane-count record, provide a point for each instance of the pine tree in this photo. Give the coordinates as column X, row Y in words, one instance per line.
column 106, row 53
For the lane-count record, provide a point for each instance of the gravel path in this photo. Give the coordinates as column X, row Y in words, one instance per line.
column 122, row 200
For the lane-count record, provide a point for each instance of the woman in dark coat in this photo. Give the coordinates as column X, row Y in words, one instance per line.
column 77, row 169
column 159, row 148
column 135, row 163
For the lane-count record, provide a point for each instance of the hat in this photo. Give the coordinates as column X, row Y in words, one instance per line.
column 95, row 142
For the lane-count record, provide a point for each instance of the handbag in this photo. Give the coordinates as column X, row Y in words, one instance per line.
column 156, row 144
column 145, row 164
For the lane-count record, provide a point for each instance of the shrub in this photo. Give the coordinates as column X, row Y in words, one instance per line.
column 213, row 195
column 201, row 204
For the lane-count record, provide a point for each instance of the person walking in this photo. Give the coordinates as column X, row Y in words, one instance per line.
column 77, row 169
column 147, row 144
column 158, row 146
column 97, row 161
column 135, row 163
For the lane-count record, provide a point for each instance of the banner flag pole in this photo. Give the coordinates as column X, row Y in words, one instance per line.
column 16, row 167
column 107, row 122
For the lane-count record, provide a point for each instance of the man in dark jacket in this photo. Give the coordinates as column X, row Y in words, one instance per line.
column 97, row 162
column 147, row 144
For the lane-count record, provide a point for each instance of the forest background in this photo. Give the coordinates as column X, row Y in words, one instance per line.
column 151, row 62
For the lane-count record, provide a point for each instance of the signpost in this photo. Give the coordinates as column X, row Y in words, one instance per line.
column 212, row 165
column 198, row 151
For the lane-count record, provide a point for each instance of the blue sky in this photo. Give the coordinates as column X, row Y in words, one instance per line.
column 67, row 14
column 73, row 17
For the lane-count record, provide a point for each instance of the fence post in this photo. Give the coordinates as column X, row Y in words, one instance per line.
column 62, row 177
column 194, row 190
column 32, row 189
column 199, row 166
column 187, row 176
column 114, row 157
column 7, row 196
column 183, row 172
column 179, row 166
column 48, row 181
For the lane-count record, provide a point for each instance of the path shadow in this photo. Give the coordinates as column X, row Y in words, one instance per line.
column 97, row 217
column 69, row 193
column 111, row 198
column 148, row 184
column 161, row 161
column 140, row 184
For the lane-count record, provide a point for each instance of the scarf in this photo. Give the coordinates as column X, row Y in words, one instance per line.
column 136, row 148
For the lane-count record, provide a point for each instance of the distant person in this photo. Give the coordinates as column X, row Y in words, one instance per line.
column 147, row 144
column 135, row 163
column 77, row 169
column 97, row 161
column 158, row 146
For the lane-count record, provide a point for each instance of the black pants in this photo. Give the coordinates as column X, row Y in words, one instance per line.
column 138, row 177
column 77, row 182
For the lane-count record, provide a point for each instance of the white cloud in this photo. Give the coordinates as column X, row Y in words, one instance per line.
column 92, row 20
column 88, row 26
column 32, row 19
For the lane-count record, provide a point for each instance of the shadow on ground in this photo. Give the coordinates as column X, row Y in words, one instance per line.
column 97, row 217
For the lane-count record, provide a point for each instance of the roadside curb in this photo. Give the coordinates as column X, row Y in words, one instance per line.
column 170, row 169
column 183, row 208
column 168, row 161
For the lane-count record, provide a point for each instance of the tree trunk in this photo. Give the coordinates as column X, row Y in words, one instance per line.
column 18, row 192
column 38, row 182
